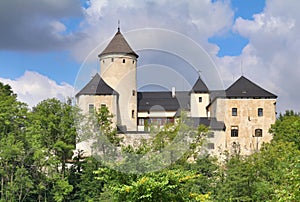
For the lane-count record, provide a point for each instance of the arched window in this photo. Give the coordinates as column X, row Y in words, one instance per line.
column 234, row 131
column 258, row 132
column 123, row 60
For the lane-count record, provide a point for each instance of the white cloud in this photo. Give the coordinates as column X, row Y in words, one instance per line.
column 37, row 24
column 196, row 19
column 33, row 88
column 272, row 56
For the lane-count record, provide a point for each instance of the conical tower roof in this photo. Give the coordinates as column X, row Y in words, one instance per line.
column 244, row 88
column 118, row 44
column 199, row 87
column 97, row 86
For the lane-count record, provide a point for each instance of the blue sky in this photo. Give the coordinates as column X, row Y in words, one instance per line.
column 51, row 40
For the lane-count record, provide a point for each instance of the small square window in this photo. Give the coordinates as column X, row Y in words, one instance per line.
column 234, row 131
column 210, row 135
column 200, row 99
column 258, row 132
column 260, row 111
column 210, row 146
column 234, row 112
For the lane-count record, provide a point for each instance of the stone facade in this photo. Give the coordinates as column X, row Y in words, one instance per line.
column 239, row 118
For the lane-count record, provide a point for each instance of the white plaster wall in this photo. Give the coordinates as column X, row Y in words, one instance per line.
column 122, row 78
column 198, row 109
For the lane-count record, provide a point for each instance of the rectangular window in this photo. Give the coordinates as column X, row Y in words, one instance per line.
column 210, row 135
column 200, row 99
column 234, row 111
column 91, row 108
column 210, row 146
column 132, row 113
column 133, row 92
column 103, row 105
column 141, row 122
column 234, row 131
column 260, row 111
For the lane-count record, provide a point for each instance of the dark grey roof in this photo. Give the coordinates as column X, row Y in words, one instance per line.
column 199, row 87
column 158, row 101
column 211, row 123
column 118, row 44
column 97, row 86
column 244, row 88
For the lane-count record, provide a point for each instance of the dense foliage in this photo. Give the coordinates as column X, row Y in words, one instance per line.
column 38, row 161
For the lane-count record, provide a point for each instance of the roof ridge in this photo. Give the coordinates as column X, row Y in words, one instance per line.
column 200, row 87
column 97, row 86
column 244, row 87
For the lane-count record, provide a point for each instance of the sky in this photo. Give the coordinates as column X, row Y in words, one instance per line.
column 47, row 45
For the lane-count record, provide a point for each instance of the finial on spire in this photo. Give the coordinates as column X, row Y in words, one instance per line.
column 118, row 25
column 199, row 73
column 242, row 72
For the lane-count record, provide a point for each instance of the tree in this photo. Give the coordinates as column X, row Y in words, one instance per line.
column 14, row 151
column 287, row 128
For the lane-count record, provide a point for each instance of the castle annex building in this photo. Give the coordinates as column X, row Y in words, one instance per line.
column 238, row 118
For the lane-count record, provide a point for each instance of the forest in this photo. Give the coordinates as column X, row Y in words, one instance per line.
column 38, row 163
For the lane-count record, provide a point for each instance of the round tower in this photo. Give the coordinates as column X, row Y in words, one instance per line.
column 118, row 69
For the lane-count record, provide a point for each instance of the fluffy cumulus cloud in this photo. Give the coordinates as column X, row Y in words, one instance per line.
column 37, row 24
column 272, row 56
column 196, row 19
column 33, row 87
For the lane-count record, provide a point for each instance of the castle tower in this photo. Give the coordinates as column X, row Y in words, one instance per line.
column 199, row 99
column 118, row 70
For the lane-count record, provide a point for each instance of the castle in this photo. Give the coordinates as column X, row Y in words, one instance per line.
column 238, row 118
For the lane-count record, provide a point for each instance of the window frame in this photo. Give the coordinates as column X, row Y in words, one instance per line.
column 260, row 112
column 234, row 132
column 258, row 132
column 210, row 146
column 91, row 108
column 234, row 111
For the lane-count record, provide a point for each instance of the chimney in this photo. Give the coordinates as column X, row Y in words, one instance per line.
column 173, row 92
